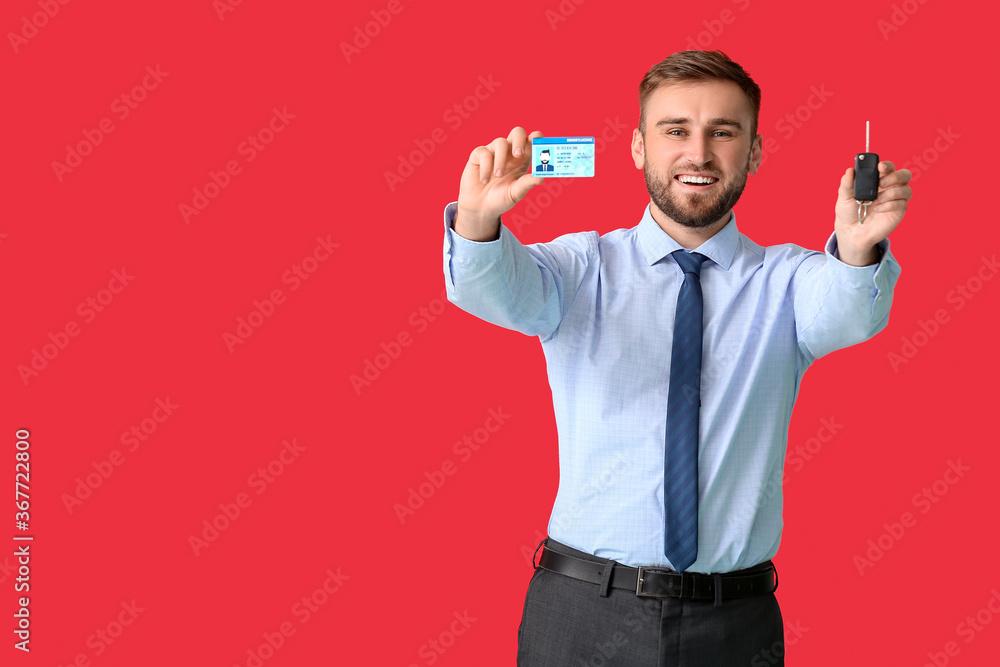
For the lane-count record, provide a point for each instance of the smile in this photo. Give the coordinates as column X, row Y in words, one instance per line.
column 696, row 181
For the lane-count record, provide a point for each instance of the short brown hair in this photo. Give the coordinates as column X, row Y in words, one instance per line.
column 697, row 66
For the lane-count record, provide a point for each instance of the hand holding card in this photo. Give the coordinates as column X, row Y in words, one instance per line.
column 496, row 177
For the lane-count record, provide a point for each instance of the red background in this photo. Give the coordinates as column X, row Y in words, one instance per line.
column 356, row 116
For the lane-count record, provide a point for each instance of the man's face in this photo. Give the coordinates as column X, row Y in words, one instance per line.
column 697, row 132
column 545, row 157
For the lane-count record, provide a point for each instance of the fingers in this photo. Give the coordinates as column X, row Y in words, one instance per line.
column 501, row 155
column 517, row 140
column 889, row 183
column 491, row 159
column 500, row 148
column 517, row 144
column 522, row 185
column 891, row 195
column 889, row 206
column 891, row 177
column 482, row 159
column 892, row 185
column 533, row 135
column 895, row 192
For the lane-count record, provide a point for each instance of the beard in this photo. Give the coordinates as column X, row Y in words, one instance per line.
column 694, row 209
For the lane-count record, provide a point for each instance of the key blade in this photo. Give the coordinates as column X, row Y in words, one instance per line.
column 868, row 125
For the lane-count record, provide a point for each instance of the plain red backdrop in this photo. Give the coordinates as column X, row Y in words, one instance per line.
column 369, row 150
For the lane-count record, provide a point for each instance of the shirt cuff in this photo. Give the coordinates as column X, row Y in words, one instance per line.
column 460, row 251
column 464, row 250
column 879, row 277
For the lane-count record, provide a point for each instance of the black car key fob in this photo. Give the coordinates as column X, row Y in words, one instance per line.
column 865, row 177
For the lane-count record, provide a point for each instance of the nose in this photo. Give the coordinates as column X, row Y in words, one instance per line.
column 699, row 150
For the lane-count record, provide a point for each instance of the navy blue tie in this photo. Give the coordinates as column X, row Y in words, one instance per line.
column 680, row 463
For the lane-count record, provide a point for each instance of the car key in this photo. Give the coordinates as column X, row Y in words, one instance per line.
column 865, row 177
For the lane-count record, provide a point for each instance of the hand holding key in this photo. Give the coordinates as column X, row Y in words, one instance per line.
column 856, row 241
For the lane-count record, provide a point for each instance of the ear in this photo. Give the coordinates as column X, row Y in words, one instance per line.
column 638, row 149
column 756, row 153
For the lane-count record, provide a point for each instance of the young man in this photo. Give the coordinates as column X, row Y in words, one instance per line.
column 675, row 350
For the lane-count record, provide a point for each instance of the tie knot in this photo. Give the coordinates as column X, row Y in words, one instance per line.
column 690, row 262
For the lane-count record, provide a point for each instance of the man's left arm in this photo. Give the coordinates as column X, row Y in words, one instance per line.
column 846, row 300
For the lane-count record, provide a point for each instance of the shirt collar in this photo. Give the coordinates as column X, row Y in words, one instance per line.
column 657, row 244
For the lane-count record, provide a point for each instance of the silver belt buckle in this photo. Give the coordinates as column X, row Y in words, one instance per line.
column 639, row 580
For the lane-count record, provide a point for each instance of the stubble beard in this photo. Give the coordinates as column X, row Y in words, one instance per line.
column 694, row 209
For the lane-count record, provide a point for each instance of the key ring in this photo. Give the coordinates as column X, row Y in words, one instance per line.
column 862, row 211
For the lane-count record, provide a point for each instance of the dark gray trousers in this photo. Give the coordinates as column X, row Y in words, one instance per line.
column 567, row 623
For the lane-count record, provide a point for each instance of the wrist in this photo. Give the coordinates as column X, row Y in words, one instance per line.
column 474, row 227
column 858, row 256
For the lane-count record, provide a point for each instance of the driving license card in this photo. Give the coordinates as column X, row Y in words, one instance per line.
column 562, row 157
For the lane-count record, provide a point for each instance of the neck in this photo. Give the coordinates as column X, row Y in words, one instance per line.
column 688, row 237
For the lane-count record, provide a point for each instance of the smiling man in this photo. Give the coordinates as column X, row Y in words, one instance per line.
column 675, row 351
column 703, row 194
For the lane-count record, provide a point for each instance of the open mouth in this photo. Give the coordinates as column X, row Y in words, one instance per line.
column 696, row 181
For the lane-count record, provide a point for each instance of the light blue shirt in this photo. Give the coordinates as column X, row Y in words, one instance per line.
column 603, row 309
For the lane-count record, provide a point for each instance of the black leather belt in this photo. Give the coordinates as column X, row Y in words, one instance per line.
column 661, row 582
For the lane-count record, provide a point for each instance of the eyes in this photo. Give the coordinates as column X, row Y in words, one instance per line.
column 676, row 132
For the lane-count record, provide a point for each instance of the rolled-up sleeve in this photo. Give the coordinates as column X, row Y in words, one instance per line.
column 838, row 305
column 526, row 288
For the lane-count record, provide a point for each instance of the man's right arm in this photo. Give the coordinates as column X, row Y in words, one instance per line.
column 488, row 272
column 526, row 288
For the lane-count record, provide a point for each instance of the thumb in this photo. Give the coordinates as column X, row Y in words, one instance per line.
column 847, row 185
column 520, row 187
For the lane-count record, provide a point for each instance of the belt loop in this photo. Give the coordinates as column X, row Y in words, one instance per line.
column 606, row 577
column 545, row 542
column 718, row 589
column 775, row 576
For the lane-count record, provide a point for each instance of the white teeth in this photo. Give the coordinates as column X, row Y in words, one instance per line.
column 696, row 179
